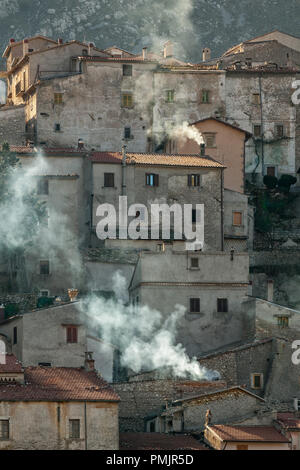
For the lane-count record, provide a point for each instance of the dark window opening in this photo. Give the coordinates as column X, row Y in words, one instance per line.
column 44, row 267
column 271, row 171
column 74, row 428
column 4, row 429
column 193, row 180
column 152, row 179
column 57, row 127
column 127, row 70
column 152, row 426
column 72, row 334
column 127, row 133
column 257, row 380
column 222, row 305
column 279, row 130
column 194, row 262
column 109, row 180
column 45, row 364
column 15, row 335
column 257, row 130
column 195, row 305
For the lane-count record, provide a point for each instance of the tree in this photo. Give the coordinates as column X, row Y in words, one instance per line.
column 21, row 213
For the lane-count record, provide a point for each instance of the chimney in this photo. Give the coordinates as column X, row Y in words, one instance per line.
column 202, row 150
column 25, row 46
column 168, row 49
column 91, row 45
column 89, row 362
column 59, row 41
column 80, row 145
column 270, row 290
column 72, row 294
column 11, row 41
column 206, row 54
column 145, row 51
column 2, row 312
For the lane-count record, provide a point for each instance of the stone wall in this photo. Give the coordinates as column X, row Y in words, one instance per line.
column 143, row 398
column 12, row 125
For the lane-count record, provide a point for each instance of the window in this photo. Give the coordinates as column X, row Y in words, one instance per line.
column 15, row 335
column 43, row 186
column 45, row 364
column 279, row 131
column 271, row 171
column 248, row 62
column 222, row 305
column 84, row 52
column 256, row 98
column 257, row 381
column 210, row 140
column 4, row 429
column 44, row 293
column 127, row 100
column 170, row 95
column 58, row 98
column 72, row 334
column 152, row 426
column 57, row 127
column 74, row 428
column 193, row 180
column 152, row 179
column 127, row 133
column 18, row 88
column 195, row 305
column 194, row 262
column 257, row 130
column 194, row 216
column 283, row 322
column 127, row 70
column 109, row 180
column 237, row 218
column 205, row 96
column 44, row 267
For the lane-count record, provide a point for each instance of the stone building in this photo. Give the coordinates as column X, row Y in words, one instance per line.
column 212, row 298
column 57, row 336
column 56, row 408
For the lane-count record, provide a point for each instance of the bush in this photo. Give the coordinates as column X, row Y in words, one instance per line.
column 270, row 181
column 285, row 182
column 11, row 309
column 44, row 302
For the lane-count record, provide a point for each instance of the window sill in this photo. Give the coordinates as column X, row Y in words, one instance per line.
column 109, row 187
column 194, row 269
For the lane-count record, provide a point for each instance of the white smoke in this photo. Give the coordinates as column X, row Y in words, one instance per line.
column 55, row 241
column 183, row 132
column 145, row 339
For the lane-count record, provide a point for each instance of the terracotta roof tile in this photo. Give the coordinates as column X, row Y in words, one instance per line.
column 248, row 433
column 58, row 383
column 158, row 441
column 28, row 149
column 156, row 159
column 12, row 365
column 289, row 420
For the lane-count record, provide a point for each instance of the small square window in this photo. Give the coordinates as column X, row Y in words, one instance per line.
column 58, row 98
column 57, row 127
column 194, row 262
column 205, row 96
column 109, row 180
column 283, row 322
column 44, row 293
column 127, row 133
column 257, row 130
column 74, row 428
column 127, row 100
column 210, row 140
column 152, row 179
column 127, row 70
column 72, row 334
column 170, row 95
column 193, row 180
column 237, row 218
column 44, row 267
column 195, row 305
column 256, row 98
column 43, row 186
column 257, row 381
column 222, row 305
column 4, row 429
column 271, row 171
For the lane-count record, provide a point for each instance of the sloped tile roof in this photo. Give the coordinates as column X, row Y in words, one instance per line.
column 248, row 433
column 58, row 383
column 158, row 441
column 289, row 420
column 156, row 159
column 12, row 365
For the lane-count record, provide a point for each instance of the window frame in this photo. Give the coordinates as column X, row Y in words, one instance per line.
column 283, row 321
column 5, row 436
column 71, row 334
column 210, row 135
column 261, row 378
column 70, row 428
column 194, row 180
column 255, row 134
column 125, row 101
column 41, row 264
column 205, row 96
column 222, row 305
column 58, row 98
column 170, row 96
column 154, row 177
column 195, row 305
column 192, row 259
column 281, row 134
column 109, row 177
column 256, row 100
column 42, row 186
column 234, row 224
column 127, row 67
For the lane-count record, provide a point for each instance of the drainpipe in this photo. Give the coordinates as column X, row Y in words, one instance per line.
column 222, row 210
column 85, row 427
column 262, row 128
column 123, row 170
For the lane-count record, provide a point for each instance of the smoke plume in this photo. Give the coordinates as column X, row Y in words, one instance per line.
column 145, row 339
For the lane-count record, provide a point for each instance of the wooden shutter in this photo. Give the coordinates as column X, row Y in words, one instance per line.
column 156, row 180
